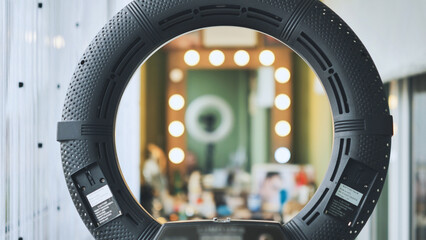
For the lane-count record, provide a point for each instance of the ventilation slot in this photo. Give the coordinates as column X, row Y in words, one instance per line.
column 103, row 106
column 104, row 155
column 317, row 48
column 336, row 95
column 342, row 92
column 314, row 50
column 264, row 16
column 175, row 19
column 348, row 146
column 316, row 204
column 339, row 157
column 126, row 57
column 312, row 218
column 349, row 125
column 214, row 10
column 98, row 148
column 339, row 93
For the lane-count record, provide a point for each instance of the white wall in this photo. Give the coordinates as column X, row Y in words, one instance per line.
column 393, row 31
column 40, row 48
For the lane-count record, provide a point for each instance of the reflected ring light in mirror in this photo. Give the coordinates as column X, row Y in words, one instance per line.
column 362, row 124
column 196, row 108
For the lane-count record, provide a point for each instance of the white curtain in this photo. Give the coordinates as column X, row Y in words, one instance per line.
column 40, row 43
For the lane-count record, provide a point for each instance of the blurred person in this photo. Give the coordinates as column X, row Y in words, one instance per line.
column 270, row 192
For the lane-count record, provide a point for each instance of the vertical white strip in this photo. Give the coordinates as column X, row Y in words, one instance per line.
column 265, row 87
column 399, row 170
column 13, row 111
column 127, row 137
column 4, row 45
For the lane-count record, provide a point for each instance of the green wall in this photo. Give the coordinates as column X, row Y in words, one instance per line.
column 155, row 99
column 233, row 87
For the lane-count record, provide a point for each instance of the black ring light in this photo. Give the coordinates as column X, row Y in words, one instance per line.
column 362, row 124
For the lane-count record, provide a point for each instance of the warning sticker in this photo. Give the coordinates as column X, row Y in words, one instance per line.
column 344, row 203
column 104, row 205
column 349, row 194
column 342, row 209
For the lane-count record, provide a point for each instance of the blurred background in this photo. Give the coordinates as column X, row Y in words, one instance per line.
column 220, row 122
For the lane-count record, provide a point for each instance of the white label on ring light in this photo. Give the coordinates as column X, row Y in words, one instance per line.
column 103, row 205
column 349, row 194
column 99, row 195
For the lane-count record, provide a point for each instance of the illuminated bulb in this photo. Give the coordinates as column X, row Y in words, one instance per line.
column 176, row 155
column 217, row 58
column 282, row 75
column 176, row 75
column 267, row 58
column 282, row 155
column 282, row 128
column 282, row 102
column 176, row 102
column 192, row 58
column 241, row 58
column 176, row 128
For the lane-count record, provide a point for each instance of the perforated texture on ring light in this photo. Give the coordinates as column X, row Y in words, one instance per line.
column 154, row 7
column 372, row 150
column 90, row 69
column 287, row 6
column 114, row 230
column 328, row 231
column 75, row 155
column 80, row 95
column 359, row 69
column 347, row 57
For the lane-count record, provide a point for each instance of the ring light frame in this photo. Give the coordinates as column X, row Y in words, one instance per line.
column 362, row 124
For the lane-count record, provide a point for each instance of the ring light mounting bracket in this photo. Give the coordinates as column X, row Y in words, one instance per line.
column 362, row 124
